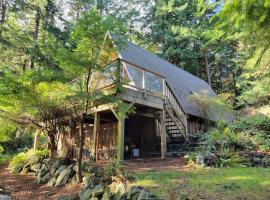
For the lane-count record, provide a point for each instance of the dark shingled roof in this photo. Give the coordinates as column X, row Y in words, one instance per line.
column 182, row 83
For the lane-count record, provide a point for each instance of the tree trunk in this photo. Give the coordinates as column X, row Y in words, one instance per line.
column 79, row 160
column 52, row 145
column 207, row 68
column 35, row 35
column 36, row 140
column 3, row 7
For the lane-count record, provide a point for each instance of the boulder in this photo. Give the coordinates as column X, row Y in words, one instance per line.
column 256, row 160
column 74, row 180
column 117, row 188
column 43, row 170
column 133, row 193
column 26, row 168
column 98, row 190
column 200, row 159
column 59, row 170
column 266, row 161
column 144, row 195
column 35, row 167
column 46, row 178
column 75, row 168
column 63, row 177
column 85, row 194
column 52, row 181
column 107, row 195
column 5, row 197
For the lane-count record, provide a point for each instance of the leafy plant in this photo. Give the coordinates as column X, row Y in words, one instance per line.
column 32, row 156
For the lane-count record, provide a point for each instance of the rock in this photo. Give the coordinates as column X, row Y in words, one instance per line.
column 35, row 167
column 43, row 170
column 52, row 181
column 200, row 159
column 59, row 170
column 133, row 193
column 69, row 197
column 5, row 197
column 256, row 160
column 74, row 180
column 63, row 177
column 117, row 188
column 85, row 194
column 94, row 198
column 26, row 168
column 144, row 195
column 107, row 195
column 266, row 161
column 98, row 190
column 46, row 178
column 75, row 168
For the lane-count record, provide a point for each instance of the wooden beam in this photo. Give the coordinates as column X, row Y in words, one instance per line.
column 138, row 97
column 163, row 135
column 95, row 134
column 102, row 107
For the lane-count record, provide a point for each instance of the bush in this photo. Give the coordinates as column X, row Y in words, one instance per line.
column 257, row 128
column 17, row 162
column 219, row 147
column 20, row 160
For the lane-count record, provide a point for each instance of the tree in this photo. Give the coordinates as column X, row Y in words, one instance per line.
column 248, row 21
column 83, row 61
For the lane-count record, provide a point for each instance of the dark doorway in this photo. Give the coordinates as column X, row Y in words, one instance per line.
column 140, row 134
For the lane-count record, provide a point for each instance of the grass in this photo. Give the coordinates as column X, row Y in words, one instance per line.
column 214, row 183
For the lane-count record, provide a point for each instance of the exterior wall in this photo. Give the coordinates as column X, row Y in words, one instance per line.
column 195, row 125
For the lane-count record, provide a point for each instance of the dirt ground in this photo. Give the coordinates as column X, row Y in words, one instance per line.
column 24, row 187
column 152, row 164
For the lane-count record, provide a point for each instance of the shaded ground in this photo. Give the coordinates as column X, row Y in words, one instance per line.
column 169, row 178
column 24, row 187
column 152, row 164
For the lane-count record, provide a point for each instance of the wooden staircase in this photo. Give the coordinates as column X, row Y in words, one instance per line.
column 174, row 118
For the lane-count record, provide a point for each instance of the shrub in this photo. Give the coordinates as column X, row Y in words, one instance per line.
column 20, row 160
column 257, row 128
column 17, row 162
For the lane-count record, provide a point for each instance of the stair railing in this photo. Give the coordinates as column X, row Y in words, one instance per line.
column 171, row 100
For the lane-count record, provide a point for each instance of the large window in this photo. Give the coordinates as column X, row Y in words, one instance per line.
column 103, row 78
column 153, row 82
column 133, row 75
column 142, row 79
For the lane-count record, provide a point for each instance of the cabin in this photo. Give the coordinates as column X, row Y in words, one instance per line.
column 161, row 95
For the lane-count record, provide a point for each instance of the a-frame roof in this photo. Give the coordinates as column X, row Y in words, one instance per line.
column 183, row 84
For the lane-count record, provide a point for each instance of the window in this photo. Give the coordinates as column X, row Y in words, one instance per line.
column 153, row 82
column 134, row 75
column 103, row 78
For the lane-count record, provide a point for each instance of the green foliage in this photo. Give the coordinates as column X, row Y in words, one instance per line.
column 115, row 169
column 31, row 156
column 257, row 128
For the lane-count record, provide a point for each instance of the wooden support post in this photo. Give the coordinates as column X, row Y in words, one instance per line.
column 163, row 134
column 95, row 134
column 121, row 137
column 37, row 140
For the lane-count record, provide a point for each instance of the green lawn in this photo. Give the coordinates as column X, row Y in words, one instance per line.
column 225, row 183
